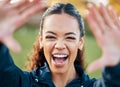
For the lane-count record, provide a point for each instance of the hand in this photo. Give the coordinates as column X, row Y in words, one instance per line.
column 13, row 16
column 105, row 25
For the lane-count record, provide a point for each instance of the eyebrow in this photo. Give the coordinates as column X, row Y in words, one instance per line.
column 69, row 33
column 51, row 32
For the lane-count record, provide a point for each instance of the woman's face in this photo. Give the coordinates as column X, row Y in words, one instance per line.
column 60, row 41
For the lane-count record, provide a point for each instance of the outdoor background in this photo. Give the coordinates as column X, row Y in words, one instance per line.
column 27, row 34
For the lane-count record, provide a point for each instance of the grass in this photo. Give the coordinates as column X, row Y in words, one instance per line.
column 27, row 36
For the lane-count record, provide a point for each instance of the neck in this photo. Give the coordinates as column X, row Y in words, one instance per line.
column 62, row 79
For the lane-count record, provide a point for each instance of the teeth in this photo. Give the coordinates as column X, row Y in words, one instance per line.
column 60, row 56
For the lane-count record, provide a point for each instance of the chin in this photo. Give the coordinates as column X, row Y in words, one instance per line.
column 58, row 70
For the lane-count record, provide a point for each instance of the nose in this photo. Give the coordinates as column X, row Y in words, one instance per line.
column 60, row 45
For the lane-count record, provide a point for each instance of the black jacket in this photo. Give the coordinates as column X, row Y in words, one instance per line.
column 12, row 76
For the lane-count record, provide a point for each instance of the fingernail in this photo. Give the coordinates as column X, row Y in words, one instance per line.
column 89, row 5
column 31, row 0
column 44, row 2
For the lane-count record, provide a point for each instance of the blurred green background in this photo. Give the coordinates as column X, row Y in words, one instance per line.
column 27, row 35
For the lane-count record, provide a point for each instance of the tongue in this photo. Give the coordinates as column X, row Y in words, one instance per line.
column 59, row 60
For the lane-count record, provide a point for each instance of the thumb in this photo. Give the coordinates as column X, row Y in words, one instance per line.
column 12, row 44
column 97, row 64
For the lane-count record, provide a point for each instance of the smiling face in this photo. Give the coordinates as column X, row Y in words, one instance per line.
column 60, row 41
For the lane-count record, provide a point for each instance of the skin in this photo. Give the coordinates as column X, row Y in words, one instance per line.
column 105, row 26
column 61, row 36
column 107, row 38
column 13, row 16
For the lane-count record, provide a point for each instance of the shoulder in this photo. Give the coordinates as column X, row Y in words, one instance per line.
column 41, row 73
column 42, row 76
column 86, row 81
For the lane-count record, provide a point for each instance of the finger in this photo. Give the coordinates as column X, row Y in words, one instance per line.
column 23, row 17
column 98, row 64
column 12, row 44
column 31, row 5
column 24, row 3
column 107, row 17
column 97, row 16
column 4, row 2
column 20, row 4
column 103, row 62
column 32, row 10
column 114, row 16
column 94, row 27
column 24, row 6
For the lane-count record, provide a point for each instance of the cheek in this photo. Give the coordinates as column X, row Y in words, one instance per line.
column 47, row 46
column 73, row 51
column 47, row 49
column 74, row 47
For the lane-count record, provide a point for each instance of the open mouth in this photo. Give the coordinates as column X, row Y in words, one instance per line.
column 59, row 59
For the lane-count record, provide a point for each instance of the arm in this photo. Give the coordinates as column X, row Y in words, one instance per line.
column 110, row 77
column 11, row 75
column 105, row 25
column 5, row 58
column 8, row 71
column 13, row 16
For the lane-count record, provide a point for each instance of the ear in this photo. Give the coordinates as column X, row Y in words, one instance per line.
column 40, row 41
column 81, row 43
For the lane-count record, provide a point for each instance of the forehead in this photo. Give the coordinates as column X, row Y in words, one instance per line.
column 63, row 22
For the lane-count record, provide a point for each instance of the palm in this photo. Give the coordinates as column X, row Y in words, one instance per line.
column 13, row 16
column 106, row 30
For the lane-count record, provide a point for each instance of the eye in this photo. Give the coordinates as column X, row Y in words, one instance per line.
column 50, row 37
column 70, row 38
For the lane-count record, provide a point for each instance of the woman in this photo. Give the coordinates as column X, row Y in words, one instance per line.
column 57, row 58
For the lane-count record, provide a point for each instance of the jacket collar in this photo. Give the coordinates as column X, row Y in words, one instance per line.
column 44, row 75
column 44, row 72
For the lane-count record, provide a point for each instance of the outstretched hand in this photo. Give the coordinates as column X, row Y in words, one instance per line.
column 105, row 25
column 13, row 16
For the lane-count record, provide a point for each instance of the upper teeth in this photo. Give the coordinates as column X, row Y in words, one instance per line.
column 60, row 56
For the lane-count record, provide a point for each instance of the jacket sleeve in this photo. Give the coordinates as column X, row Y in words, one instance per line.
column 10, row 74
column 110, row 77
